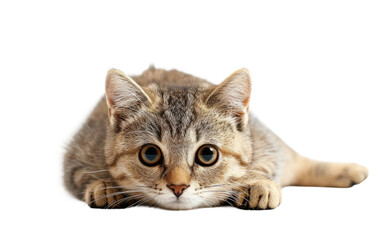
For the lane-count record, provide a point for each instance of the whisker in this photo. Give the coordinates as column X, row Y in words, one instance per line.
column 123, row 199
column 97, row 171
column 216, row 185
column 141, row 201
column 114, row 194
column 222, row 199
column 122, row 188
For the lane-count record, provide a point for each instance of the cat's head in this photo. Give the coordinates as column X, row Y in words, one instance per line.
column 180, row 145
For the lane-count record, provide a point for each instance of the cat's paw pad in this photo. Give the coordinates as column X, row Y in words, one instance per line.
column 352, row 174
column 259, row 195
column 100, row 194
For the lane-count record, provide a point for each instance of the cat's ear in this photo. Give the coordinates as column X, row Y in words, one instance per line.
column 124, row 97
column 232, row 95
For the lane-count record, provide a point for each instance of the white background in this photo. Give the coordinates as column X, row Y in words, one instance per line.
column 317, row 81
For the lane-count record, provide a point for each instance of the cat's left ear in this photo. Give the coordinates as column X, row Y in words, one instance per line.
column 232, row 95
column 124, row 97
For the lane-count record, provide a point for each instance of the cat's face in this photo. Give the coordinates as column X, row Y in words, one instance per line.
column 178, row 148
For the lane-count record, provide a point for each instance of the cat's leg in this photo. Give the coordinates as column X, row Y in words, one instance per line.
column 258, row 193
column 93, row 184
column 306, row 172
column 102, row 194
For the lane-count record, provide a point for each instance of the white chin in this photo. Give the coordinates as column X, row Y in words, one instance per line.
column 180, row 204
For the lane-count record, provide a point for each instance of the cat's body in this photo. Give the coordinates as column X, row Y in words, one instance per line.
column 175, row 141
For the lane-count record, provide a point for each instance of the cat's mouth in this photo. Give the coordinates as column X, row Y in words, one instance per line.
column 179, row 200
column 187, row 200
column 178, row 203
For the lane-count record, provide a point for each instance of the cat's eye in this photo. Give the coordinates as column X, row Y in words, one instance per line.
column 207, row 155
column 150, row 155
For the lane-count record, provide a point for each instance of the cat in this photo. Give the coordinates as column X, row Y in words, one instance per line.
column 171, row 140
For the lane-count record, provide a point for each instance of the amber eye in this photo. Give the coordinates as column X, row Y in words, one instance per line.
column 207, row 155
column 150, row 155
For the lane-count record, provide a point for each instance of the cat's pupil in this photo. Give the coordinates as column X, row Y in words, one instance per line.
column 207, row 153
column 151, row 154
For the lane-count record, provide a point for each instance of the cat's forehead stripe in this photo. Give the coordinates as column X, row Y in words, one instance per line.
column 178, row 110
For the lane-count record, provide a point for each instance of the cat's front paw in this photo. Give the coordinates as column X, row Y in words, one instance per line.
column 264, row 194
column 100, row 194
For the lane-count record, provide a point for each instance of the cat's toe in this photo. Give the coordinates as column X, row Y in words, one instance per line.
column 242, row 198
column 100, row 194
column 260, row 195
column 352, row 174
column 265, row 197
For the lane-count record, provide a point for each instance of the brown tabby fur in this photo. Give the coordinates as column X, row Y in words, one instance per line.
column 179, row 113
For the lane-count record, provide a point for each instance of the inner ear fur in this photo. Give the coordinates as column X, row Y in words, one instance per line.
column 124, row 97
column 232, row 95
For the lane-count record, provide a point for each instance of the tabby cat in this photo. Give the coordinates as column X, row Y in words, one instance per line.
column 175, row 141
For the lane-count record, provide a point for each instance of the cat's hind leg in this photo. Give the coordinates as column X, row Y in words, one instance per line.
column 307, row 172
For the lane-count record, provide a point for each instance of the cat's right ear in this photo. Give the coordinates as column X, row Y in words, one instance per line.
column 124, row 97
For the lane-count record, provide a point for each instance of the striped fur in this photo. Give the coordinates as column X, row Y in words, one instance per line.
column 179, row 113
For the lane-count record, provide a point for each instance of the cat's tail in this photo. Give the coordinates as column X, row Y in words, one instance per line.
column 302, row 171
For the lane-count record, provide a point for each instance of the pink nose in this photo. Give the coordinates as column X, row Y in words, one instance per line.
column 177, row 189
